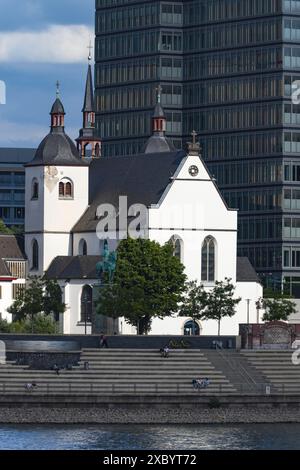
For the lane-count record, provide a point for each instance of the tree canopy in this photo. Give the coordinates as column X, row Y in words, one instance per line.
column 148, row 283
column 4, row 229
column 277, row 305
column 202, row 304
column 41, row 296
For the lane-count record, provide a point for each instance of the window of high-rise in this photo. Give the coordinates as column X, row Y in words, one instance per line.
column 228, row 70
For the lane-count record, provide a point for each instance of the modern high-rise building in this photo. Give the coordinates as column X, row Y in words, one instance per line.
column 12, row 184
column 227, row 69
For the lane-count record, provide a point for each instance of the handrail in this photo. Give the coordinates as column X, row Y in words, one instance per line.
column 68, row 388
column 237, row 363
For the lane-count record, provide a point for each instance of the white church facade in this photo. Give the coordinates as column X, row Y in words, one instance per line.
column 64, row 190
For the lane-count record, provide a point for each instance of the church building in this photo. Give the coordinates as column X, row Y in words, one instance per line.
column 69, row 186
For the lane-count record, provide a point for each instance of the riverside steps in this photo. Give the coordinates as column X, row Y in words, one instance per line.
column 131, row 372
column 277, row 367
column 119, row 372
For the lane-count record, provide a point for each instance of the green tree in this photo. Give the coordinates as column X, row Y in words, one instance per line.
column 194, row 302
column 29, row 301
column 277, row 305
column 52, row 299
column 4, row 229
column 40, row 297
column 148, row 283
column 221, row 302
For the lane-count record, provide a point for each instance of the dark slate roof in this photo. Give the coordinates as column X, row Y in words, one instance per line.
column 73, row 267
column 16, row 155
column 245, row 271
column 159, row 144
column 58, row 107
column 4, row 271
column 88, row 105
column 142, row 178
column 12, row 247
column 57, row 149
column 159, row 111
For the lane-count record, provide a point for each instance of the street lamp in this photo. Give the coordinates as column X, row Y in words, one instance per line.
column 248, row 310
column 86, row 301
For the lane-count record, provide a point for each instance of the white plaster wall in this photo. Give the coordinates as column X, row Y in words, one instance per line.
column 6, row 299
column 192, row 247
column 93, row 243
column 72, row 298
column 49, row 220
column 229, row 326
column 63, row 214
column 34, row 220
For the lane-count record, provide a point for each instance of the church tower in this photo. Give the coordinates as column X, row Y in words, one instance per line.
column 56, row 195
column 87, row 135
column 158, row 142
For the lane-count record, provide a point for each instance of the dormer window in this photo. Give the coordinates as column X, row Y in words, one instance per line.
column 35, row 189
column 65, row 189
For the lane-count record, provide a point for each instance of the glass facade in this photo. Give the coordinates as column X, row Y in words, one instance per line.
column 139, row 46
column 228, row 69
column 12, row 185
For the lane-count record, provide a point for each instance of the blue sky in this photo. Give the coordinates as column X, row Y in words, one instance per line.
column 42, row 41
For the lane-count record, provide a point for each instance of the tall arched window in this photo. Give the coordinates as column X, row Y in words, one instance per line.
column 208, row 260
column 86, row 304
column 35, row 255
column 82, row 249
column 65, row 189
column 35, row 189
column 177, row 245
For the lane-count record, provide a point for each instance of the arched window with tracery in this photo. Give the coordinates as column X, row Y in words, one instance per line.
column 65, row 189
column 86, row 304
column 208, row 260
column 177, row 245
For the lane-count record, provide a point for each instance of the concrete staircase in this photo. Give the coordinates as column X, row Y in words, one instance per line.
column 278, row 369
column 121, row 372
column 239, row 371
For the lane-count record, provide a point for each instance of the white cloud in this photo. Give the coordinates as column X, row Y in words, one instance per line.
column 56, row 44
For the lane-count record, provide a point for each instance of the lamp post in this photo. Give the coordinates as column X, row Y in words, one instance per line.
column 258, row 307
column 248, row 310
column 86, row 300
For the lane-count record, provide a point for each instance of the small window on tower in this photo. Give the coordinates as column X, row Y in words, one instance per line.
column 35, row 189
column 65, row 189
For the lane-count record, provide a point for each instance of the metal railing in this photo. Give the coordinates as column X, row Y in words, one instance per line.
column 68, row 388
column 237, row 367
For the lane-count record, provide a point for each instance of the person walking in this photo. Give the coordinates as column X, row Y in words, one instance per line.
column 103, row 341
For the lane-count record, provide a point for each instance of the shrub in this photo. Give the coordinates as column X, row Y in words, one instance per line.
column 214, row 402
column 41, row 324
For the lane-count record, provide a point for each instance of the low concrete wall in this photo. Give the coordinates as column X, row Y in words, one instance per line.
column 44, row 360
column 43, row 342
column 149, row 401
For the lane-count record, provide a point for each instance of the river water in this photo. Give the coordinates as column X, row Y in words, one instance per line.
column 148, row 437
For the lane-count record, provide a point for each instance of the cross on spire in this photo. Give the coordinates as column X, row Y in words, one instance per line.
column 57, row 89
column 159, row 92
column 90, row 48
column 194, row 146
column 194, row 136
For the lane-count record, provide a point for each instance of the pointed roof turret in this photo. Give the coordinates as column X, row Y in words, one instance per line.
column 87, row 135
column 57, row 148
column 158, row 142
column 88, row 105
